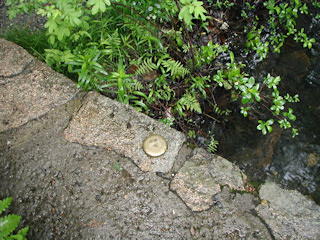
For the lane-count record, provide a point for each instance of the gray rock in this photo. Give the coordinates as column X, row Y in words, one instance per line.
column 202, row 177
column 112, row 125
column 29, row 88
column 13, row 60
column 66, row 190
column 288, row 213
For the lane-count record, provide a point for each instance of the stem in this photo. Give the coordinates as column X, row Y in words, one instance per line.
column 189, row 39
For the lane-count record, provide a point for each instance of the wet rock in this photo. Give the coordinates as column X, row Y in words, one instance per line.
column 112, row 125
column 288, row 213
column 202, row 177
column 13, row 60
column 32, row 94
column 184, row 154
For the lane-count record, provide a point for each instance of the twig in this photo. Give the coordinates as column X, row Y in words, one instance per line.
column 31, row 21
column 211, row 117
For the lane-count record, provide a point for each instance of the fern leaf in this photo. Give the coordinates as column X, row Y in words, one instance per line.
column 113, row 44
column 213, row 145
column 175, row 68
column 186, row 48
column 8, row 224
column 146, row 66
column 219, row 111
column 137, row 85
column 23, row 232
column 188, row 102
column 5, row 203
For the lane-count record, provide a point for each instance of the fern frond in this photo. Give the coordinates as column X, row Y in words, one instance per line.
column 112, row 44
column 137, row 86
column 164, row 94
column 188, row 102
column 23, row 232
column 8, row 224
column 186, row 48
column 146, row 66
column 4, row 204
column 175, row 68
column 219, row 111
column 213, row 145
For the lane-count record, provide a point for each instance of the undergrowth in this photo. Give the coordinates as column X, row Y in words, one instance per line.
column 151, row 56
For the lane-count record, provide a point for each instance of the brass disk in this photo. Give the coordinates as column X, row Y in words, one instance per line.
column 155, row 145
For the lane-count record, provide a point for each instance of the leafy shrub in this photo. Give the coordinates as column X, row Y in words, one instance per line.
column 145, row 54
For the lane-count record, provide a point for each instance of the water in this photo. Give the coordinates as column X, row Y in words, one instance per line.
column 293, row 163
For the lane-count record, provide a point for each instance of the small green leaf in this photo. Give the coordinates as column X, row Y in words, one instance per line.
column 251, row 82
column 5, row 203
column 185, row 15
column 270, row 122
column 98, row 5
column 8, row 224
column 231, row 57
column 264, row 131
column 246, row 98
column 227, row 85
column 269, row 128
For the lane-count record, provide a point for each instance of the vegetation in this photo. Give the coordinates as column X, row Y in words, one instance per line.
column 9, row 223
column 150, row 54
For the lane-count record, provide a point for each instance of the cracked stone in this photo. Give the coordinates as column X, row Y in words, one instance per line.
column 32, row 94
column 288, row 213
column 112, row 125
column 202, row 177
column 13, row 60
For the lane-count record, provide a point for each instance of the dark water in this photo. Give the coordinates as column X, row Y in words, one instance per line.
column 293, row 163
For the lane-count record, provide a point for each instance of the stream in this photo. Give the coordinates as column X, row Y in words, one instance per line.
column 291, row 162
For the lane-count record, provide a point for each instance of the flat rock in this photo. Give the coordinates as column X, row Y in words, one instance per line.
column 13, row 60
column 202, row 177
column 112, row 125
column 288, row 213
column 32, row 94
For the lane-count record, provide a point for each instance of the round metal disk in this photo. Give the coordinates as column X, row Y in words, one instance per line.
column 155, row 145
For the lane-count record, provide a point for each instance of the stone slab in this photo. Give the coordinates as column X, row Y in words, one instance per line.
column 288, row 213
column 66, row 190
column 13, row 60
column 202, row 177
column 112, row 125
column 30, row 93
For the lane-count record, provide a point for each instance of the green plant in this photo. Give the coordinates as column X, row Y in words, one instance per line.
column 117, row 166
column 281, row 15
column 168, row 121
column 35, row 42
column 9, row 223
column 219, row 111
column 254, row 42
column 265, row 127
column 221, row 4
column 192, row 9
column 192, row 134
column 188, row 102
column 147, row 54
column 213, row 144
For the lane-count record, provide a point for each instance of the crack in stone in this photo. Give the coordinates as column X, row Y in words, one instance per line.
column 254, row 213
column 4, row 77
